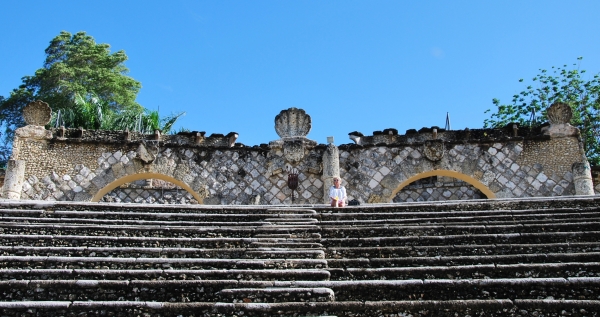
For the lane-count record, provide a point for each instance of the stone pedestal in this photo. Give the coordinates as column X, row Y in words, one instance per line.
column 13, row 180
column 331, row 169
column 582, row 178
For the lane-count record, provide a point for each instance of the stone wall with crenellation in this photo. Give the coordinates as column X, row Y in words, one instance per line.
column 73, row 164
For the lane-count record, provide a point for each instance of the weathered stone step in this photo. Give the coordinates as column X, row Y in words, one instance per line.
column 268, row 253
column 224, row 253
column 277, row 295
column 116, row 241
column 284, row 244
column 160, row 290
column 471, row 239
column 429, row 230
column 576, row 288
column 163, row 223
column 167, row 231
column 166, row 274
column 57, row 262
column 301, row 219
column 573, row 288
column 417, row 308
column 460, row 221
column 458, row 250
column 289, row 210
column 377, row 214
column 464, row 260
column 478, row 271
column 309, row 235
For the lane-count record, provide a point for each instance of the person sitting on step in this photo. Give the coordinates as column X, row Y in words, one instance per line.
column 337, row 193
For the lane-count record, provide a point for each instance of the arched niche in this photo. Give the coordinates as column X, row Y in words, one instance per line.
column 468, row 179
column 134, row 177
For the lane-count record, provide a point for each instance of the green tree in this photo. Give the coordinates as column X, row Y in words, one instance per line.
column 560, row 84
column 88, row 85
column 75, row 67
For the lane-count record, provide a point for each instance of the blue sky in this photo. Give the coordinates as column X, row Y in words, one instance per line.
column 352, row 65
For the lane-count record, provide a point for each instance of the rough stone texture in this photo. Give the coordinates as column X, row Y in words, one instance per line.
column 443, row 188
column 331, row 169
column 517, row 257
column 582, row 178
column 292, row 122
column 13, row 181
column 73, row 164
column 509, row 169
column 37, row 113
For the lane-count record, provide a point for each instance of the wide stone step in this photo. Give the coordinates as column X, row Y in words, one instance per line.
column 84, row 221
column 285, row 244
column 576, row 288
column 572, row 288
column 294, row 236
column 508, row 220
column 458, row 250
column 236, row 216
column 161, row 290
column 420, row 308
column 116, row 241
column 224, row 253
column 471, row 239
column 56, row 262
column 268, row 253
column 276, row 295
column 459, row 214
column 145, row 231
column 289, row 210
column 464, row 260
column 166, row 274
column 478, row 271
column 426, row 230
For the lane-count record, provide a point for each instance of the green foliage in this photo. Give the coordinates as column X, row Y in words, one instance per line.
column 560, row 84
column 87, row 84
column 145, row 122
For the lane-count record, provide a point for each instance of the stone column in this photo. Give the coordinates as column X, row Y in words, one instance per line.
column 582, row 178
column 331, row 169
column 13, row 180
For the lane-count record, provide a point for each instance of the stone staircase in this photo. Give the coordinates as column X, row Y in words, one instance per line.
column 536, row 257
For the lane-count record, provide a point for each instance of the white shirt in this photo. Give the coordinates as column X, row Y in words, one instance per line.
column 340, row 193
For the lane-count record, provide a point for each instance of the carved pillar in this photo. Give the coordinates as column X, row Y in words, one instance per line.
column 331, row 169
column 13, row 180
column 582, row 178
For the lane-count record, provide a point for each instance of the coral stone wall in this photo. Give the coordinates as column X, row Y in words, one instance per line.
column 72, row 164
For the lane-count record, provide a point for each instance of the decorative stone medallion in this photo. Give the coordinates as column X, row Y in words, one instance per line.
column 559, row 113
column 37, row 113
column 293, row 151
column 292, row 122
column 433, row 150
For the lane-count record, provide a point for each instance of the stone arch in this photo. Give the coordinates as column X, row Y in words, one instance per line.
column 134, row 177
column 466, row 178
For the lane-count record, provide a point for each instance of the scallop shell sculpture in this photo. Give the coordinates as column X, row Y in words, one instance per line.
column 559, row 113
column 37, row 113
column 292, row 122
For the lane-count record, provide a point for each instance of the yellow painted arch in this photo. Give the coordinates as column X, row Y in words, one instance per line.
column 475, row 183
column 134, row 177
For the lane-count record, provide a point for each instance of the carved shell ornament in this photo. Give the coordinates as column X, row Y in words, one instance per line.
column 293, row 151
column 559, row 113
column 434, row 150
column 37, row 113
column 292, row 122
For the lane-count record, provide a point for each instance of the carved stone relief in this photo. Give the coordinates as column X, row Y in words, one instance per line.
column 293, row 151
column 292, row 122
column 37, row 113
column 433, row 150
column 559, row 113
